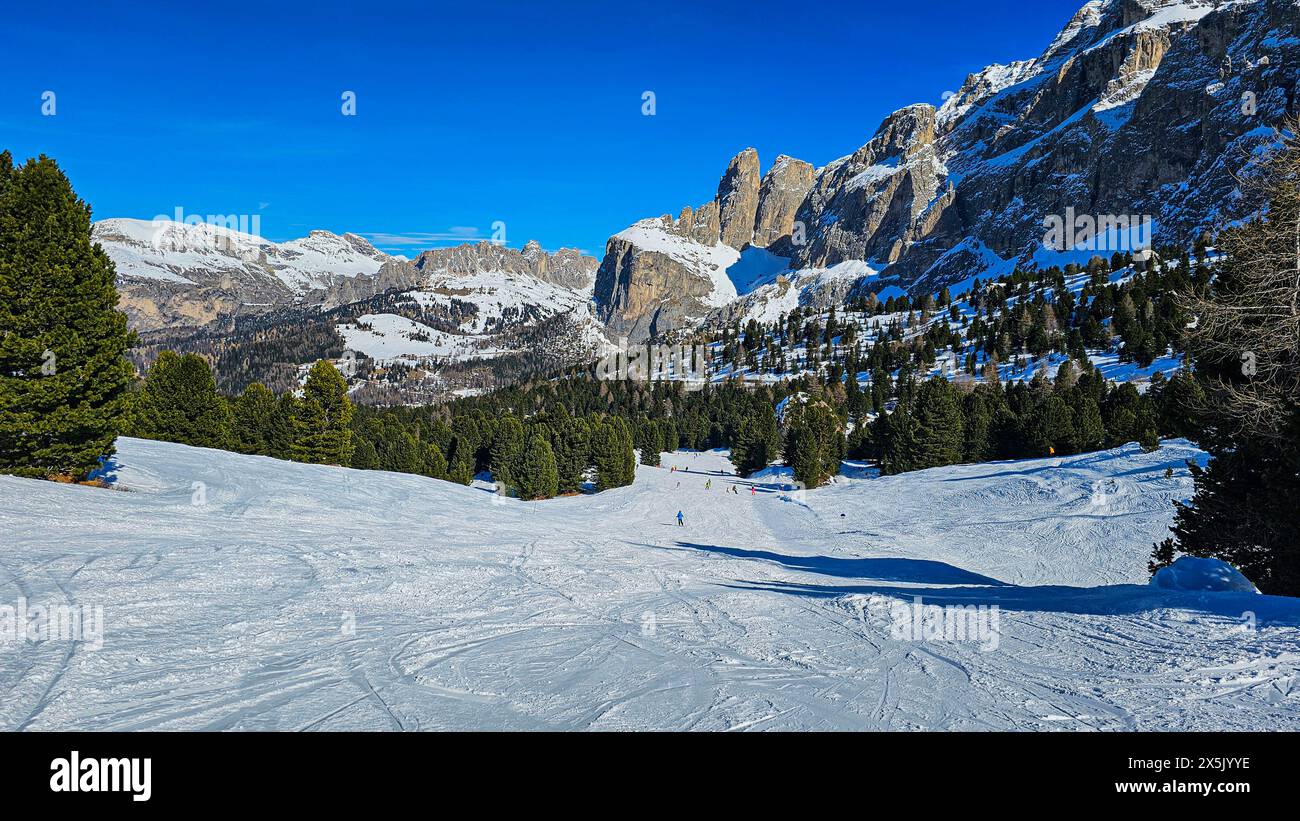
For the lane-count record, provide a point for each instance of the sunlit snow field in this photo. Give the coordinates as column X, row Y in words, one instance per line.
column 301, row 597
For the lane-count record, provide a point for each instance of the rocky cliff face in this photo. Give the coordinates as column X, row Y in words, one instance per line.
column 738, row 199
column 780, row 194
column 664, row 274
column 1138, row 108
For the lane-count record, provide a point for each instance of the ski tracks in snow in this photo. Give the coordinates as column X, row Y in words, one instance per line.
column 302, row 597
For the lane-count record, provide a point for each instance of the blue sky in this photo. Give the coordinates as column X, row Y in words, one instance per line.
column 467, row 114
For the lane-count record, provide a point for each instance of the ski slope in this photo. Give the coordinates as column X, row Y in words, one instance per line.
column 301, row 597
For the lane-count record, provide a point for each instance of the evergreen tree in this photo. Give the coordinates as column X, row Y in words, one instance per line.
column 626, row 452
column 939, row 436
column 322, row 421
column 253, row 413
column 539, row 478
column 63, row 372
column 1248, row 366
column 606, row 455
column 435, row 464
column 978, row 426
column 571, row 446
column 1089, row 430
column 364, row 457
column 462, row 470
column 280, row 440
column 180, row 403
column 1049, row 427
column 508, row 452
column 649, row 442
column 813, row 443
column 758, row 441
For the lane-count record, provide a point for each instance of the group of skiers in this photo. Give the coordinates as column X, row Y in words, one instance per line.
column 708, row 485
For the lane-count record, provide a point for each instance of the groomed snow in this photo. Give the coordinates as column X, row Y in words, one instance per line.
column 301, row 597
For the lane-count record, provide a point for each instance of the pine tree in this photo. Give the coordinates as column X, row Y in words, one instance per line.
column 571, row 445
column 649, row 442
column 364, row 457
column 979, row 426
column 253, row 413
column 814, row 443
column 322, row 422
column 611, row 453
column 180, row 403
column 508, row 452
column 758, row 441
column 64, row 376
column 1050, row 427
column 1089, row 430
column 280, row 440
column 1247, row 363
column 462, row 470
column 939, row 437
column 435, row 464
column 626, row 450
column 539, row 478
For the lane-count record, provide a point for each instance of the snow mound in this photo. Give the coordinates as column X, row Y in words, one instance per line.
column 1202, row 575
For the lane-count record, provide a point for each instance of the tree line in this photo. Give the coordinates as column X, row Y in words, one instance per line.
column 67, row 388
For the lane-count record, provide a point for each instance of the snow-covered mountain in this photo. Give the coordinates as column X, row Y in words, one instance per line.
column 480, row 299
column 176, row 273
column 399, row 602
column 1138, row 109
column 470, row 317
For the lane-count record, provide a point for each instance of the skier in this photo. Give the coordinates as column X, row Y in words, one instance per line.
column 752, row 492
column 708, row 484
column 681, row 520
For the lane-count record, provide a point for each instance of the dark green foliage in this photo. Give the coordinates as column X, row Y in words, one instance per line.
column 814, row 442
column 280, row 440
column 180, row 403
column 649, row 441
column 939, row 438
column 435, row 464
column 254, row 413
column 611, row 453
column 757, row 443
column 571, row 446
column 1244, row 408
column 539, row 478
column 63, row 373
column 322, row 420
column 508, row 452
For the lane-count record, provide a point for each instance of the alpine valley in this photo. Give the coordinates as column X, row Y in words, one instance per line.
column 1149, row 108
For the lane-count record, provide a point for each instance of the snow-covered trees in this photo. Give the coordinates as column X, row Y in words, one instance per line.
column 63, row 372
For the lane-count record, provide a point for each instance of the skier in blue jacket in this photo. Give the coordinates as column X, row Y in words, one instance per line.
column 681, row 520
